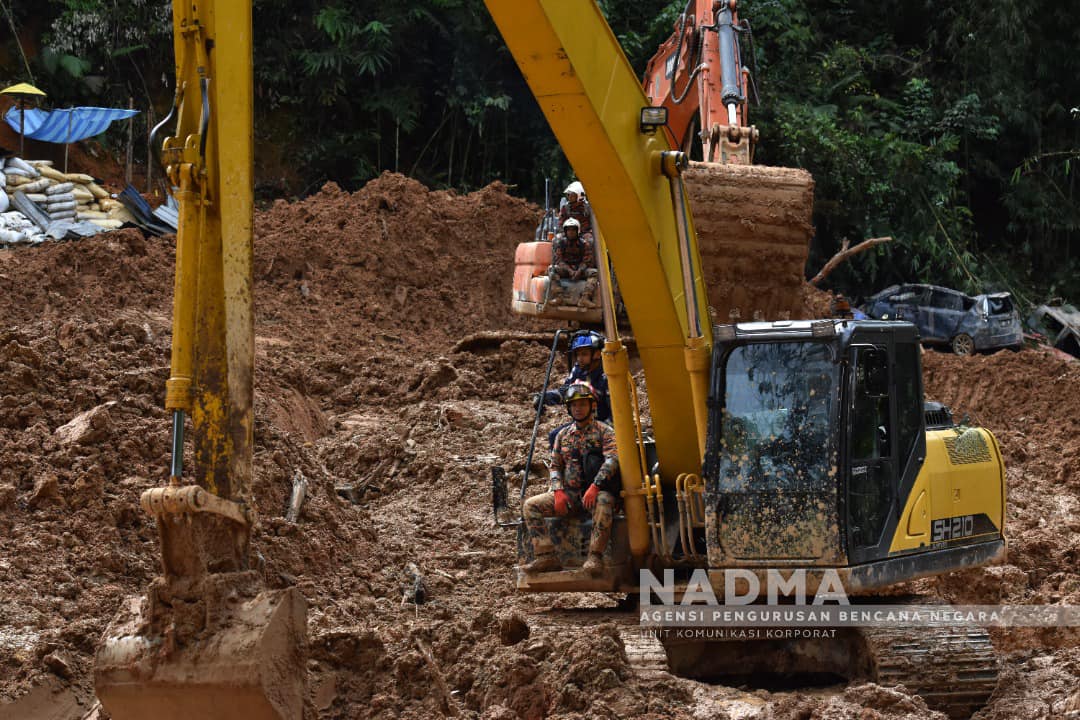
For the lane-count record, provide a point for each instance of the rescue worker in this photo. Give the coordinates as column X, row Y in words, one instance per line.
column 573, row 258
column 577, row 207
column 841, row 308
column 583, row 468
column 585, row 351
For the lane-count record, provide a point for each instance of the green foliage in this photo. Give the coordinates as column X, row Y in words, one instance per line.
column 929, row 127
column 55, row 62
column 949, row 127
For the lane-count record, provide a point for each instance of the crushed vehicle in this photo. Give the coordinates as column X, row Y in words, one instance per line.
column 948, row 317
column 1060, row 323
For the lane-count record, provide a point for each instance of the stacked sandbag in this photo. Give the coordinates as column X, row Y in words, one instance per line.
column 62, row 196
column 17, row 229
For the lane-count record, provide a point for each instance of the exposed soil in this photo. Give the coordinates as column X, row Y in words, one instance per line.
column 359, row 300
column 753, row 227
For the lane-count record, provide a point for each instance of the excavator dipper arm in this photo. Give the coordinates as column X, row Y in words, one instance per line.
column 208, row 640
column 698, row 74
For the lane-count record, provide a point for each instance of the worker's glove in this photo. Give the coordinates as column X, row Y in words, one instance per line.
column 562, row 503
column 537, row 400
column 589, row 498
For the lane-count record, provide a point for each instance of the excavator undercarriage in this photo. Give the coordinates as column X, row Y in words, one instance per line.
column 954, row 669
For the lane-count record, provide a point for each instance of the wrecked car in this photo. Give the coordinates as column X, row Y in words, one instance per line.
column 949, row 317
column 1060, row 323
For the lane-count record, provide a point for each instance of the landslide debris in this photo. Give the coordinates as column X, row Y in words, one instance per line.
column 360, row 299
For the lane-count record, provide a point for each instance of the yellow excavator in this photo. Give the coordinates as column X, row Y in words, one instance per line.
column 208, row 640
column 791, row 445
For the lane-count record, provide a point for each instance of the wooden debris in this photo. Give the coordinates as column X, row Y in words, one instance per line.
column 450, row 704
column 844, row 254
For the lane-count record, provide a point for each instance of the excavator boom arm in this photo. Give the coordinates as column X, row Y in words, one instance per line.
column 592, row 100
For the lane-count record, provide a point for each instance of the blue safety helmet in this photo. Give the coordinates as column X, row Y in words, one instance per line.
column 590, row 340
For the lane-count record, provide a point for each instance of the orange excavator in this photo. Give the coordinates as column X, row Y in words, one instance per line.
column 699, row 76
column 753, row 222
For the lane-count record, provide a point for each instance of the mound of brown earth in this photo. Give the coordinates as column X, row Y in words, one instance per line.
column 360, row 298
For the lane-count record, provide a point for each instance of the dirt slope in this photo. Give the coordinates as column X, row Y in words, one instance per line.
column 359, row 300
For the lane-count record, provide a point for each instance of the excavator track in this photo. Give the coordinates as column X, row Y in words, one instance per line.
column 754, row 226
column 953, row 668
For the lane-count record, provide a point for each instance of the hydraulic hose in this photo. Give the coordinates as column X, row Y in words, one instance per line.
column 539, row 414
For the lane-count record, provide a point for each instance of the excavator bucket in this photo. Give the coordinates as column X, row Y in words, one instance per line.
column 754, row 225
column 534, row 294
column 226, row 654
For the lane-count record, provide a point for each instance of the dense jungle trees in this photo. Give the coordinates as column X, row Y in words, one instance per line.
column 953, row 128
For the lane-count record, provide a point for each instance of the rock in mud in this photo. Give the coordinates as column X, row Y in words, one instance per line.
column 60, row 663
column 46, row 490
column 86, row 428
column 8, row 494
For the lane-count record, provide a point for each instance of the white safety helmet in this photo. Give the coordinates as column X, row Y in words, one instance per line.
column 576, row 188
column 572, row 223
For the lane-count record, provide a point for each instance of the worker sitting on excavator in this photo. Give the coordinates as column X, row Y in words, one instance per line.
column 585, row 350
column 574, row 205
column 573, row 258
column 583, row 478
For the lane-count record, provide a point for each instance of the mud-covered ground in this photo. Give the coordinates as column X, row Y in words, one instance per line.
column 360, row 301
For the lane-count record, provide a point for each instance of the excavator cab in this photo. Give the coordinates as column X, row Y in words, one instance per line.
column 819, row 456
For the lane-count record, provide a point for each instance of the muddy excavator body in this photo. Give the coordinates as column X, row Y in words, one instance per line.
column 818, row 458
column 779, row 445
column 208, row 639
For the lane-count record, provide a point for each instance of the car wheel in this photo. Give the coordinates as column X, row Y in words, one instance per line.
column 962, row 344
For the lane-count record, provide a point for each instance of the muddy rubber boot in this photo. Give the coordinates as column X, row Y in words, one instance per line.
column 554, row 293
column 549, row 562
column 594, row 564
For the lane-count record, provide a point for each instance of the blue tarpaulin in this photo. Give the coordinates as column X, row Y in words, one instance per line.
column 66, row 126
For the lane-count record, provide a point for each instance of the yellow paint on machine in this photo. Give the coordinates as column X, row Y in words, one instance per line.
column 951, row 484
column 592, row 98
column 213, row 318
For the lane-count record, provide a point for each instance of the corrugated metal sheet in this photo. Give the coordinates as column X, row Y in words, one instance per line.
column 144, row 216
